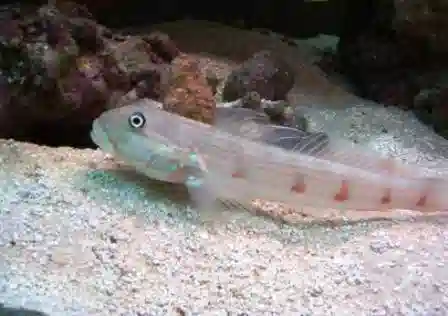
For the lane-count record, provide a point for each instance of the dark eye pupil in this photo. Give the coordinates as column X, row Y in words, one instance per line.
column 137, row 120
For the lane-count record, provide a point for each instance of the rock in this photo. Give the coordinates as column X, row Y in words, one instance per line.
column 163, row 46
column 264, row 73
column 153, row 82
column 251, row 100
column 60, row 69
column 294, row 117
column 382, row 67
column 83, row 88
column 189, row 93
column 398, row 55
column 135, row 60
column 430, row 106
column 213, row 80
column 277, row 112
column 425, row 20
column 73, row 9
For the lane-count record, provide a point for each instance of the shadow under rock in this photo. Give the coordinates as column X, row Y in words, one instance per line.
column 10, row 311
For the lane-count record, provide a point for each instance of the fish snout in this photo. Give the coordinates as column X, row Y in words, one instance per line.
column 100, row 138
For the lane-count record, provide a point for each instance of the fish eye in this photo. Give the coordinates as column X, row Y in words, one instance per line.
column 137, row 120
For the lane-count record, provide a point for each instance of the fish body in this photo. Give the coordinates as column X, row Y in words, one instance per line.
column 243, row 159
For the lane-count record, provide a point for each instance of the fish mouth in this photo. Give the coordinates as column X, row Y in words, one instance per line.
column 100, row 138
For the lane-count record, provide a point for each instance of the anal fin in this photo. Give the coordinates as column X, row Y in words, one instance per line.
column 205, row 198
column 215, row 207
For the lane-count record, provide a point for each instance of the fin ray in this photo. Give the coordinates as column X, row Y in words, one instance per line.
column 256, row 126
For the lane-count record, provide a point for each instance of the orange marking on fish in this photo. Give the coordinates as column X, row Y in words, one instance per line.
column 180, row 175
column 238, row 174
column 422, row 201
column 388, row 164
column 299, row 188
column 343, row 193
column 387, row 197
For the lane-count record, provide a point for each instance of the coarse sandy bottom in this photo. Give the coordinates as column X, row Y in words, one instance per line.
column 81, row 235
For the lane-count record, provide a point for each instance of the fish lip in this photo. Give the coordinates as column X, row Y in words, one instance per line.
column 100, row 138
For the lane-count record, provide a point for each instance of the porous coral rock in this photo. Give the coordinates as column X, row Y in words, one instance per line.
column 424, row 19
column 60, row 69
column 264, row 73
column 189, row 93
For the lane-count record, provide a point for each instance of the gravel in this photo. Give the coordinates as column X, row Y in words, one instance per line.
column 81, row 238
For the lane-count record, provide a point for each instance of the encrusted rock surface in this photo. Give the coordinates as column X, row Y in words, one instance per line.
column 60, row 69
column 189, row 93
column 424, row 19
column 399, row 55
column 264, row 73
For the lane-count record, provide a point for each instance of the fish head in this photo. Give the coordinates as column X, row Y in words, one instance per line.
column 130, row 134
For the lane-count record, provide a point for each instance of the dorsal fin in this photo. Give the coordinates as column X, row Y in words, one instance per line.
column 257, row 126
column 226, row 118
column 293, row 139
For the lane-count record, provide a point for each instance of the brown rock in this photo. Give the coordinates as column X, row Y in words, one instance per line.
column 133, row 55
column 60, row 69
column 163, row 46
column 135, row 59
column 84, row 89
column 73, row 9
column 424, row 19
column 264, row 73
column 153, row 81
column 188, row 93
column 430, row 106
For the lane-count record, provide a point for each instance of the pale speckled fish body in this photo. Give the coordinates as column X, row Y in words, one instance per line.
column 231, row 166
